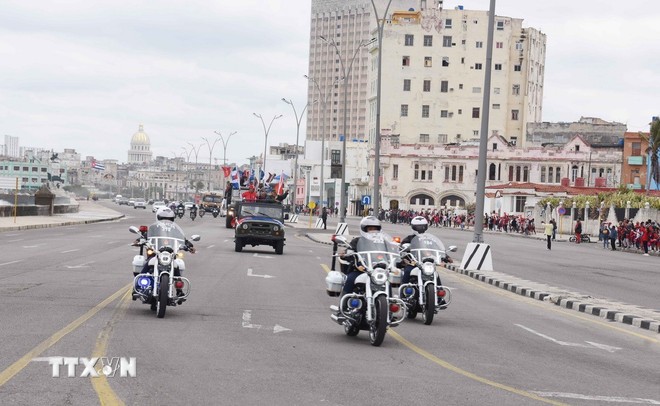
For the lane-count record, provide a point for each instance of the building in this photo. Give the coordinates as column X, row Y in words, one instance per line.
column 11, row 148
column 140, row 152
column 634, row 168
column 592, row 129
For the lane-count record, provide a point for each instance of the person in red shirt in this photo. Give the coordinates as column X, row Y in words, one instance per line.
column 646, row 234
column 250, row 195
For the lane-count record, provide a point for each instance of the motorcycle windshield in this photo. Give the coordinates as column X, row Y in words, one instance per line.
column 166, row 234
column 425, row 247
column 377, row 250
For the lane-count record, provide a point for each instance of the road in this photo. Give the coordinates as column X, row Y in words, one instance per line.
column 245, row 338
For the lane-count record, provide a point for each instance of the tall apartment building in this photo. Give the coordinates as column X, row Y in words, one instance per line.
column 11, row 147
column 346, row 24
column 433, row 77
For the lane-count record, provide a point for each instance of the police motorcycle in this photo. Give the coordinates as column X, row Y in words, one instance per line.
column 215, row 211
column 423, row 294
column 162, row 286
column 180, row 210
column 370, row 307
column 193, row 212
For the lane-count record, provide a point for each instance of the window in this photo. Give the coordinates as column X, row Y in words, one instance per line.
column 520, row 203
column 395, row 171
column 515, row 90
column 409, row 40
column 416, row 172
column 445, row 61
column 543, row 174
column 425, row 111
column 577, row 148
column 335, row 157
column 477, row 66
column 448, row 23
column 405, row 61
column 406, row 85
column 496, row 106
column 404, row 110
column 475, row 133
column 428, row 61
column 499, row 45
column 514, row 114
column 460, row 111
column 517, row 68
column 498, row 66
column 574, row 173
column 428, row 40
column 513, row 141
column 475, row 112
column 460, row 86
column 494, row 146
column 442, row 138
column 492, row 171
column 444, row 113
column 460, row 173
column 444, row 86
column 35, row 169
column 423, row 138
column 446, row 41
column 500, row 26
column 636, row 148
column 476, row 90
column 427, row 85
column 496, row 90
column 479, row 44
column 550, row 174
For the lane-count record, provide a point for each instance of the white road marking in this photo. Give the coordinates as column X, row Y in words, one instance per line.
column 257, row 255
column 279, row 329
column 12, row 262
column 225, row 240
column 66, row 252
column 30, row 246
column 247, row 320
column 613, row 399
column 211, row 246
column 249, row 273
column 85, row 265
column 607, row 348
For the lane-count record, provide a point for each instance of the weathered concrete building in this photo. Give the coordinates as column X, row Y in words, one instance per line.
column 593, row 130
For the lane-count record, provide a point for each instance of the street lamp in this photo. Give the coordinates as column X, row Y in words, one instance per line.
column 346, row 75
column 295, row 165
column 224, row 148
column 208, row 143
column 177, row 158
column 266, row 131
column 196, row 151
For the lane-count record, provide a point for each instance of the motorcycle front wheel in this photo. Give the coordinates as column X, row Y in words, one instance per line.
column 429, row 306
column 351, row 330
column 379, row 324
column 163, row 296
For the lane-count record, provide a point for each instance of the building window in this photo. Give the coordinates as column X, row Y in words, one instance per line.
column 499, row 45
column 335, row 157
column 406, row 85
column 425, row 111
column 423, row 138
column 444, row 113
column 550, row 174
column 428, row 61
column 514, row 114
column 446, row 41
column 445, row 61
column 513, row 141
column 500, row 26
column 494, row 146
column 479, row 44
column 427, row 85
column 475, row 112
column 395, row 171
column 404, row 110
column 515, row 90
column 517, row 68
column 636, row 149
column 577, row 148
column 444, row 86
column 442, row 138
column 477, row 66
column 543, row 174
column 409, row 40
column 520, row 204
column 498, row 66
column 405, row 61
column 476, row 90
column 428, row 40
column 460, row 174
column 448, row 23
column 460, row 86
column 492, row 172
column 416, row 172
column 496, row 106
column 496, row 90
column 460, row 111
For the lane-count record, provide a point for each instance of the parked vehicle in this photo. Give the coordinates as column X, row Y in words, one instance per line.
column 583, row 238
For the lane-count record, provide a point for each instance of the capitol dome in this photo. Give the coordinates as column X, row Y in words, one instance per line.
column 140, row 152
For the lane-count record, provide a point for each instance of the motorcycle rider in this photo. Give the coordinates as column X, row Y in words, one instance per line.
column 369, row 224
column 419, row 226
column 193, row 210
column 166, row 215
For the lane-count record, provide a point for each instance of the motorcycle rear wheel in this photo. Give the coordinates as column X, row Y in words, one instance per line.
column 379, row 325
column 429, row 307
column 163, row 296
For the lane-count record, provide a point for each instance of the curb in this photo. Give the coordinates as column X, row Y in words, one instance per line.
column 66, row 223
column 571, row 304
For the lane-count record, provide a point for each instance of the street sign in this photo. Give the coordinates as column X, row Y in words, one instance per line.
column 311, row 205
column 366, row 199
column 561, row 211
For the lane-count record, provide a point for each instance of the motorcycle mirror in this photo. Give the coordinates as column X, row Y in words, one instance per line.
column 134, row 230
column 195, row 237
column 452, row 248
column 341, row 239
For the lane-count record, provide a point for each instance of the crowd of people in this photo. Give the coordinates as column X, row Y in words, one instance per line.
column 628, row 234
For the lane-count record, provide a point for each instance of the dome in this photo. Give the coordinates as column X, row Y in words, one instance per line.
column 140, row 137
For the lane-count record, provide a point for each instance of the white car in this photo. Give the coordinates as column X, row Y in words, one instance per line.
column 139, row 203
column 188, row 205
column 157, row 205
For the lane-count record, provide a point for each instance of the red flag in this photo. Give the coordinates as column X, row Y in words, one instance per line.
column 226, row 170
column 279, row 189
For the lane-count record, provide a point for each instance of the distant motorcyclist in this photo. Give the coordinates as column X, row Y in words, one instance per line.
column 352, row 270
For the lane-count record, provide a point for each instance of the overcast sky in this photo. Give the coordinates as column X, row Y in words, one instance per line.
column 85, row 74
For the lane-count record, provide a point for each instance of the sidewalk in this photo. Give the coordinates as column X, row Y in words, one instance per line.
column 88, row 212
column 607, row 309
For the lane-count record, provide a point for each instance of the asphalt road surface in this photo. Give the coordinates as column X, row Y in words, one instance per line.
column 256, row 328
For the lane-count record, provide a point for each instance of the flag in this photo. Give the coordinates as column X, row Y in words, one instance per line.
column 235, row 179
column 280, row 185
column 98, row 165
column 251, row 178
column 271, row 176
column 227, row 171
column 261, row 174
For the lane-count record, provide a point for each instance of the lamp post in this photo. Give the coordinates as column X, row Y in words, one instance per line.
column 196, row 151
column 177, row 158
column 346, row 75
column 208, row 143
column 224, row 148
column 266, row 131
column 381, row 25
column 295, row 165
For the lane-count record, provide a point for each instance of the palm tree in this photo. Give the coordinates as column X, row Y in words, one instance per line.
column 654, row 149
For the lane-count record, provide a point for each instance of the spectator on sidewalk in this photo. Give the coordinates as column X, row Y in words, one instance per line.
column 548, row 231
column 613, row 235
column 605, row 232
column 578, row 231
column 324, row 217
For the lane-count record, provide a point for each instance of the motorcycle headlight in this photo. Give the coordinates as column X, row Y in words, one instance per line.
column 428, row 268
column 379, row 278
column 144, row 282
column 165, row 258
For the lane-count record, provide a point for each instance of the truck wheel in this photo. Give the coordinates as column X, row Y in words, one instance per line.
column 279, row 247
column 238, row 247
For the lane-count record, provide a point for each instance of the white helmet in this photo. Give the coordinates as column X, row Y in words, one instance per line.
column 369, row 221
column 419, row 225
column 165, row 213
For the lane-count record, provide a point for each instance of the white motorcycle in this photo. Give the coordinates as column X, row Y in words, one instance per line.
column 163, row 284
column 370, row 305
column 423, row 294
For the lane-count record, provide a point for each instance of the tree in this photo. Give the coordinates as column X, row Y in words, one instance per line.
column 653, row 150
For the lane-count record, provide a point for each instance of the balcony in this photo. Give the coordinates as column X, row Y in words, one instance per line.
column 635, row 160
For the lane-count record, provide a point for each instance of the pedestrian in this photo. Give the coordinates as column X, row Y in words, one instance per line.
column 554, row 229
column 605, row 231
column 578, row 231
column 324, row 217
column 613, row 236
column 548, row 230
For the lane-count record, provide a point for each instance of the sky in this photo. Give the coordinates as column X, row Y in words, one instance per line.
column 85, row 74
